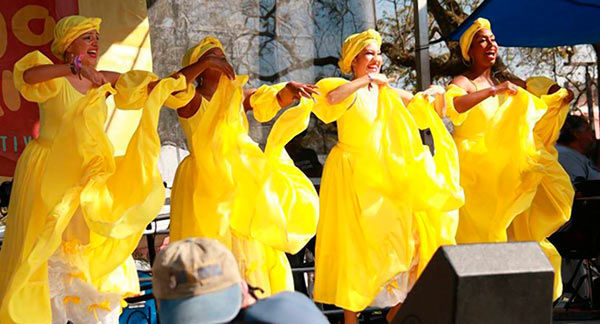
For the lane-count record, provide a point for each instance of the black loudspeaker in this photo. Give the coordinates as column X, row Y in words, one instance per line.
column 482, row 283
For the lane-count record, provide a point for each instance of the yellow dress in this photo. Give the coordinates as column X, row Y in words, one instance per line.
column 256, row 203
column 515, row 189
column 387, row 204
column 76, row 212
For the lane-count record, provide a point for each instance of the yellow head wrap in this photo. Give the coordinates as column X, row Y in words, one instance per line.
column 68, row 29
column 353, row 45
column 195, row 53
column 467, row 37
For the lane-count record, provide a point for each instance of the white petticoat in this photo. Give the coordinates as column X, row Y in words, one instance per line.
column 73, row 298
column 396, row 289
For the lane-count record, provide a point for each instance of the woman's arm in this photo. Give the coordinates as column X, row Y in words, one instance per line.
column 192, row 71
column 405, row 95
column 47, row 72
column 111, row 76
column 465, row 102
column 191, row 107
column 294, row 91
column 570, row 95
column 342, row 92
column 289, row 94
column 247, row 94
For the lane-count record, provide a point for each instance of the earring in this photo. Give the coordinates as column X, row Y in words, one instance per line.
column 465, row 62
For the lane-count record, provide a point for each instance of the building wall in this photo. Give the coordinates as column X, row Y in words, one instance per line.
column 270, row 40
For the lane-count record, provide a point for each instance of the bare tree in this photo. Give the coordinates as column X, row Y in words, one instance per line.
column 397, row 28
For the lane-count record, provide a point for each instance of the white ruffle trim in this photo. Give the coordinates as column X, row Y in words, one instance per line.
column 73, row 298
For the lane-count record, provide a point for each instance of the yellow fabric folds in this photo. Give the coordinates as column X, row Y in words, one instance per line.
column 68, row 29
column 539, row 85
column 195, row 53
column 256, row 203
column 385, row 200
column 515, row 188
column 38, row 92
column 353, row 45
column 264, row 101
column 467, row 37
column 70, row 188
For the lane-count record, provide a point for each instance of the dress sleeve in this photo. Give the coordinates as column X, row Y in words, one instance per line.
column 539, row 85
column 132, row 89
column 456, row 117
column 38, row 92
column 181, row 98
column 328, row 112
column 264, row 102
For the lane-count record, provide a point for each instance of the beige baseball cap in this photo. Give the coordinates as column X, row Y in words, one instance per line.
column 196, row 281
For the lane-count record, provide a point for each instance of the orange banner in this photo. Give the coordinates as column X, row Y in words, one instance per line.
column 25, row 26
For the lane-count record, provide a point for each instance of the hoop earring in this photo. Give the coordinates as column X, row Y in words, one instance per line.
column 465, row 62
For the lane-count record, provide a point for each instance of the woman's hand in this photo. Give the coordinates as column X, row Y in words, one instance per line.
column 380, row 79
column 295, row 91
column 506, row 87
column 434, row 91
column 97, row 78
column 570, row 96
column 298, row 90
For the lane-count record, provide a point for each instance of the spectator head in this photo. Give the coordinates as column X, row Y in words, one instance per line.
column 197, row 281
column 577, row 134
column 296, row 142
column 5, row 189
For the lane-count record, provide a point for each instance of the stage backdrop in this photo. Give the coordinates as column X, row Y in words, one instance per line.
column 28, row 25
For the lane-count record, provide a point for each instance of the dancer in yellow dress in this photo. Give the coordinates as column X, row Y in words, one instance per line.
column 76, row 212
column 515, row 189
column 256, row 203
column 386, row 204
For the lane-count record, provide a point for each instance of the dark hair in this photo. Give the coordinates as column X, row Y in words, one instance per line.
column 573, row 124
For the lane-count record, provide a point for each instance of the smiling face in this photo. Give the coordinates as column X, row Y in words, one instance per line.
column 369, row 60
column 85, row 45
column 484, row 49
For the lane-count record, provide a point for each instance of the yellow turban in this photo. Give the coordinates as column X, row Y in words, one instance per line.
column 195, row 53
column 467, row 36
column 68, row 29
column 353, row 45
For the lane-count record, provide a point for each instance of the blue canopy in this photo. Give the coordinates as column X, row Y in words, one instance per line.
column 539, row 23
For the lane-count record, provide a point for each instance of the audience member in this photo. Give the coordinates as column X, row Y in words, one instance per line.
column 197, row 281
column 575, row 142
column 305, row 159
column 5, row 189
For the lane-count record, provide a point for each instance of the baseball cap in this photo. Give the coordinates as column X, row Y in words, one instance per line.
column 196, row 281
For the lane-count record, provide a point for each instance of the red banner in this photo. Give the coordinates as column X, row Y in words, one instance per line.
column 25, row 26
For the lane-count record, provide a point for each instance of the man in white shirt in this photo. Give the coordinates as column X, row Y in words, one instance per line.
column 576, row 139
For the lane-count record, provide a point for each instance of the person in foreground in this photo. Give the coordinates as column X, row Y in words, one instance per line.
column 515, row 189
column 196, row 281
